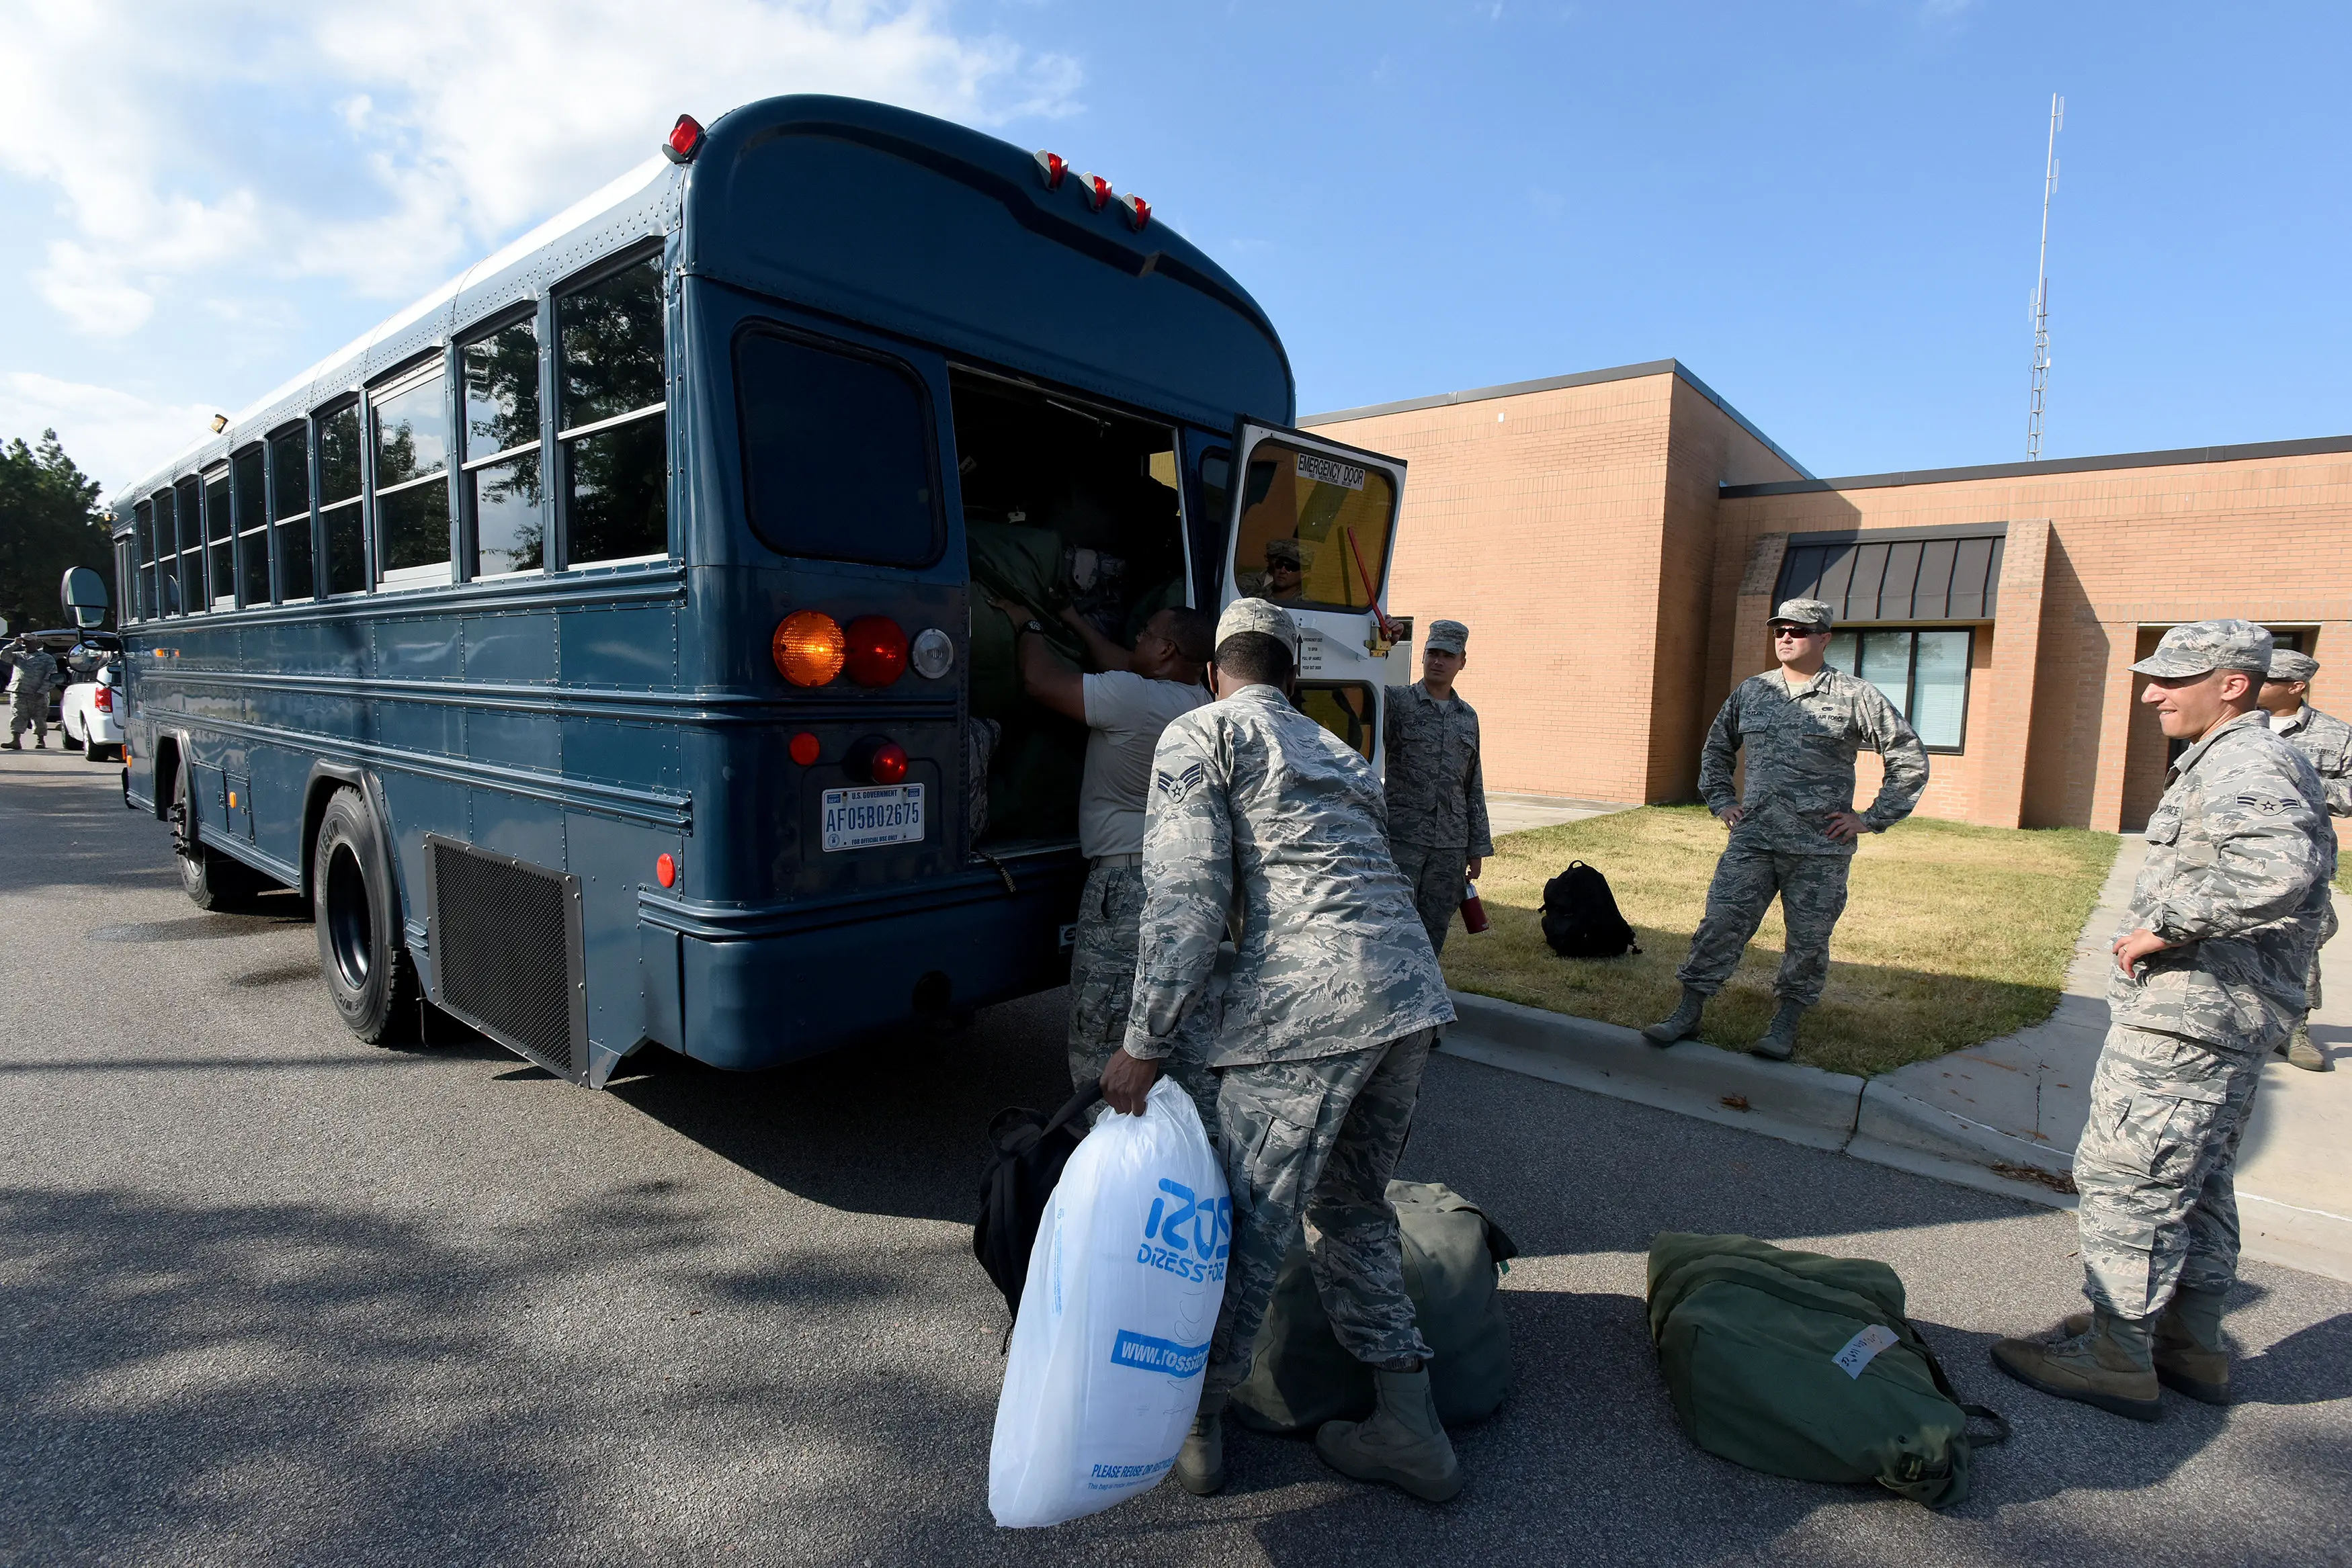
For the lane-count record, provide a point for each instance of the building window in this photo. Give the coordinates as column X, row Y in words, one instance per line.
column 1924, row 674
column 613, row 414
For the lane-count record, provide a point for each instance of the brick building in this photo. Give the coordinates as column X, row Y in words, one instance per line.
column 1616, row 539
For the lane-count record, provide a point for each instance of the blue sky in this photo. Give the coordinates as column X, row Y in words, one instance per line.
column 1828, row 212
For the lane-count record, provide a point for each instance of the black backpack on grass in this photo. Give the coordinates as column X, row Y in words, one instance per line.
column 1027, row 1154
column 1581, row 918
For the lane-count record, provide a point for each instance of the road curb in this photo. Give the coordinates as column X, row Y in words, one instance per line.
column 1784, row 1100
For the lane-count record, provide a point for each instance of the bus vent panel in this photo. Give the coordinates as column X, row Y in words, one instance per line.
column 507, row 953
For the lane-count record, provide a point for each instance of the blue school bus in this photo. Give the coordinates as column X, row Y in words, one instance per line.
column 605, row 645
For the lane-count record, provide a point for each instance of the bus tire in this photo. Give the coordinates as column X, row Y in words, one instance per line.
column 368, row 973
column 210, row 881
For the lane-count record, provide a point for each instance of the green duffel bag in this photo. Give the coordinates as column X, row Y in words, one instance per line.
column 1803, row 1365
column 1452, row 1256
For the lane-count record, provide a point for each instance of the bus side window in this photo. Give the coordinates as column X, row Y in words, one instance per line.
column 289, row 503
column 836, row 454
column 339, row 499
column 412, row 485
column 142, row 552
column 167, row 555
column 502, row 457
column 252, row 526
column 613, row 417
column 188, row 506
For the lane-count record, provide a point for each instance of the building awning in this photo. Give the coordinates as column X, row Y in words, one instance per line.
column 1897, row 574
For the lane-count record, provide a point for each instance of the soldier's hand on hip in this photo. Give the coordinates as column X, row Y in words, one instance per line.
column 1126, row 1082
column 2130, row 950
column 1844, row 826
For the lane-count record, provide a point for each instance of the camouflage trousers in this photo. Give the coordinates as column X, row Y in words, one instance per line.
column 1319, row 1140
column 29, row 710
column 2311, row 981
column 1812, row 890
column 2159, row 1209
column 1102, row 985
column 1437, row 876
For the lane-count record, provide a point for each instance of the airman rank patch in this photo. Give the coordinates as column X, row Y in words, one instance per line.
column 1176, row 786
column 2267, row 805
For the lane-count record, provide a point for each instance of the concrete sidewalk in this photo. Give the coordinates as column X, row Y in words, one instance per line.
column 2002, row 1116
column 1511, row 813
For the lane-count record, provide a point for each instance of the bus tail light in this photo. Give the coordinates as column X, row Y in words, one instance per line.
column 808, row 647
column 804, row 749
column 685, row 140
column 878, row 651
column 878, row 761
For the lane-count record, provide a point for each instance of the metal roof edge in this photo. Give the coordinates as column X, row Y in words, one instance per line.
column 1557, row 383
column 2243, row 452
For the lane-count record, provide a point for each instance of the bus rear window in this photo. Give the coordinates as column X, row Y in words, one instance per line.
column 836, row 454
column 1314, row 530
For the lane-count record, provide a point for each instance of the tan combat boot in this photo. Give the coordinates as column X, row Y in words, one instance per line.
column 2190, row 1356
column 1779, row 1042
column 2302, row 1054
column 1680, row 1024
column 1402, row 1443
column 2109, row 1363
column 1200, row 1462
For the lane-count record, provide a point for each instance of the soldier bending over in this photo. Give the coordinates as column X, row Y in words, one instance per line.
column 1262, row 820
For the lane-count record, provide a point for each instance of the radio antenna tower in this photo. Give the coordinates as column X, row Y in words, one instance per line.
column 2040, row 301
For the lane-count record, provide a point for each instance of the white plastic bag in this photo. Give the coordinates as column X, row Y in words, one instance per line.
column 1129, row 1270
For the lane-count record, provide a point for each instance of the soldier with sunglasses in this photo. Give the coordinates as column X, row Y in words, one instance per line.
column 1793, row 834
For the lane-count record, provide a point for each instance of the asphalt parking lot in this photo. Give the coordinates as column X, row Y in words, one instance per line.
column 273, row 1296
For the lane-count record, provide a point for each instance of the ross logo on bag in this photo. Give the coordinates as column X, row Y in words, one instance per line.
column 1192, row 1237
column 1149, row 1355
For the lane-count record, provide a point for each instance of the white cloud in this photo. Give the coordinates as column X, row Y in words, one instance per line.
column 384, row 147
column 114, row 436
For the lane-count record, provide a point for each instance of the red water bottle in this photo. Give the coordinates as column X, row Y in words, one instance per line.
column 1474, row 912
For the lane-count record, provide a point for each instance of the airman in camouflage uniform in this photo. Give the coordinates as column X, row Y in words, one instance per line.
column 1437, row 797
column 1265, row 824
column 1794, row 834
column 36, row 672
column 2327, row 740
column 2210, row 976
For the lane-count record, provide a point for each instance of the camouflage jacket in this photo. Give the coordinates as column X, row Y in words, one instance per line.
column 1800, row 747
column 2328, row 741
column 36, row 669
column 1437, row 797
column 2240, row 856
column 1264, row 821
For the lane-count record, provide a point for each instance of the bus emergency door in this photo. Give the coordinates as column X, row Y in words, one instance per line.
column 1313, row 527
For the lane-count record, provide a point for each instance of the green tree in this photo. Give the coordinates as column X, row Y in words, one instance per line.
column 49, row 520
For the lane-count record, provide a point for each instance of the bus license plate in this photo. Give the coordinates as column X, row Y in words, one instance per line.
column 860, row 819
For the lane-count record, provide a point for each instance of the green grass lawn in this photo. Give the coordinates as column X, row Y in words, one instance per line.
column 1951, row 934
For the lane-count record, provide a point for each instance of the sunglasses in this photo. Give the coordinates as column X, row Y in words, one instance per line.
column 1799, row 631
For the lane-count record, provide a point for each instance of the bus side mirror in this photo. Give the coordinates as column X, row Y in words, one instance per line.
column 83, row 594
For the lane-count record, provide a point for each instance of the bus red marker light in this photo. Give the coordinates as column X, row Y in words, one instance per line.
column 685, row 140
column 1051, row 169
column 665, row 870
column 878, row 651
column 1138, row 212
column 804, row 749
column 890, row 763
column 1097, row 191
column 808, row 647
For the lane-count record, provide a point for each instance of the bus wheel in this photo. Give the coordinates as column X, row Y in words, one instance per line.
column 368, row 973
column 210, row 881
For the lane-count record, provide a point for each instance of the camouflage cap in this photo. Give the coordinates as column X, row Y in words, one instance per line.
column 1282, row 549
column 2286, row 664
column 2207, row 646
column 1448, row 637
column 1259, row 615
column 1809, row 612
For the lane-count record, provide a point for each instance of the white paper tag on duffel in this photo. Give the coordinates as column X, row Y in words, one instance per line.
column 1862, row 1347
